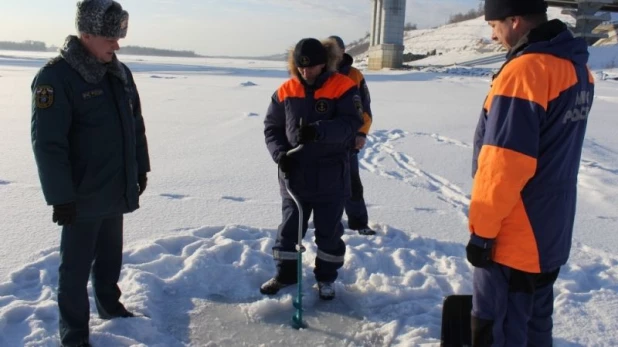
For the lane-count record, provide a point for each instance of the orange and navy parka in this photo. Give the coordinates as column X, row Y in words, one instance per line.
column 527, row 150
column 347, row 69
column 321, row 170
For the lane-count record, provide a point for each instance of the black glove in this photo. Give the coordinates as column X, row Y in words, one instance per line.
column 285, row 163
column 307, row 133
column 142, row 182
column 478, row 251
column 64, row 214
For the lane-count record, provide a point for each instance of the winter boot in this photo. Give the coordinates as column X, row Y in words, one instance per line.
column 366, row 231
column 326, row 290
column 272, row 286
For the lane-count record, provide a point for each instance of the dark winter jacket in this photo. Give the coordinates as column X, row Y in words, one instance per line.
column 527, row 150
column 88, row 133
column 320, row 171
column 347, row 69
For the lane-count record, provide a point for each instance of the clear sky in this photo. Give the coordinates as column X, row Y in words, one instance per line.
column 219, row 27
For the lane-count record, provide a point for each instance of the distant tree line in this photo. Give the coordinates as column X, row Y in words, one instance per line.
column 473, row 13
column 137, row 50
column 39, row 46
column 23, row 46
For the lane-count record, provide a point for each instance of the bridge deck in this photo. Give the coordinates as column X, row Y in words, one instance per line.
column 609, row 7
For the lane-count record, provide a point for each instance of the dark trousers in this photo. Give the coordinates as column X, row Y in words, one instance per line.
column 93, row 246
column 355, row 207
column 328, row 232
column 512, row 307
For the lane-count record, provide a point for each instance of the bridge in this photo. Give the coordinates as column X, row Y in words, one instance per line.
column 588, row 15
column 388, row 18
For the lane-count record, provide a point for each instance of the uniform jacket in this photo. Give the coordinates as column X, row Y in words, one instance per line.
column 321, row 169
column 527, row 150
column 88, row 134
column 347, row 69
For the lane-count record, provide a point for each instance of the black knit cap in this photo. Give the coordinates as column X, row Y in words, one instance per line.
column 501, row 9
column 309, row 52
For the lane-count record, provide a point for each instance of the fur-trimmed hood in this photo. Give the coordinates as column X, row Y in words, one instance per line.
column 334, row 54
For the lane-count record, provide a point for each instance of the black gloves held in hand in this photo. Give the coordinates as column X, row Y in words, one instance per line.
column 285, row 163
column 64, row 214
column 142, row 181
column 478, row 251
column 307, row 133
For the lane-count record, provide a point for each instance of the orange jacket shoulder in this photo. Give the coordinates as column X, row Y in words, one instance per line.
column 539, row 78
column 291, row 88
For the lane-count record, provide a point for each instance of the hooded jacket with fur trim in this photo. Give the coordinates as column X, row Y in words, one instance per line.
column 320, row 171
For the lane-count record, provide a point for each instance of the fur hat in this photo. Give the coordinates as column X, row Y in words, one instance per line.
column 102, row 18
column 309, row 52
column 501, row 9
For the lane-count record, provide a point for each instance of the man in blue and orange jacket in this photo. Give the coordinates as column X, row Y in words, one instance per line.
column 527, row 150
column 320, row 109
column 355, row 207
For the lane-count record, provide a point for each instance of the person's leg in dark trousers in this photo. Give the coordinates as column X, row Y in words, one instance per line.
column 512, row 307
column 541, row 324
column 328, row 232
column 106, row 269
column 355, row 207
column 77, row 248
column 284, row 250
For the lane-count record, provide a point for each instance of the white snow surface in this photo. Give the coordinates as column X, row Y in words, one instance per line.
column 199, row 247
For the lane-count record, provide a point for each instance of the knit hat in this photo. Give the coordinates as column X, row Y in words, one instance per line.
column 102, row 18
column 309, row 52
column 501, row 9
column 338, row 40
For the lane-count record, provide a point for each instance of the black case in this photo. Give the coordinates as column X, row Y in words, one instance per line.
column 456, row 331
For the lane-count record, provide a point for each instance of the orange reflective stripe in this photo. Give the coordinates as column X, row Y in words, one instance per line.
column 336, row 86
column 539, row 78
column 292, row 88
column 501, row 175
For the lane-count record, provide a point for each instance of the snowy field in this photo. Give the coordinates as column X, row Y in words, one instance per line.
column 198, row 249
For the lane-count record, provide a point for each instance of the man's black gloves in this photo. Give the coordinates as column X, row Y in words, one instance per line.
column 307, row 133
column 64, row 214
column 142, row 181
column 285, row 163
column 478, row 251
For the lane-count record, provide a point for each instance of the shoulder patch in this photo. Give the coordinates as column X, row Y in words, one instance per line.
column 44, row 96
column 358, row 103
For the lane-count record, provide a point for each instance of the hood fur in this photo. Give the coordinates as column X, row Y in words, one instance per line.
column 334, row 54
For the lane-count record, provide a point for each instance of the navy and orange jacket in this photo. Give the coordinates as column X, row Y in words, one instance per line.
column 347, row 69
column 527, row 150
column 320, row 171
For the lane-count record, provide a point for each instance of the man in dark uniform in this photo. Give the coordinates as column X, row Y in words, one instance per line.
column 90, row 147
column 321, row 109
column 355, row 207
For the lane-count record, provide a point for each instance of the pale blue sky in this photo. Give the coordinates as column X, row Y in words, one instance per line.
column 219, row 27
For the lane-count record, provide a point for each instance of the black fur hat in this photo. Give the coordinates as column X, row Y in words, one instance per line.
column 102, row 18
